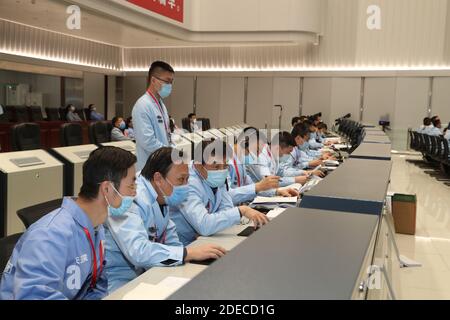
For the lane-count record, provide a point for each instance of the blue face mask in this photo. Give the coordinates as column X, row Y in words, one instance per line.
column 216, row 178
column 249, row 159
column 122, row 126
column 165, row 91
column 124, row 206
column 179, row 194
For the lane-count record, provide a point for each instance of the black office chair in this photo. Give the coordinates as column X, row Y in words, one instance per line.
column 53, row 114
column 26, row 136
column 7, row 246
column 10, row 113
column 35, row 113
column 62, row 114
column 32, row 214
column 99, row 132
column 71, row 134
column 206, row 123
column 186, row 124
column 22, row 114
column 87, row 114
column 80, row 113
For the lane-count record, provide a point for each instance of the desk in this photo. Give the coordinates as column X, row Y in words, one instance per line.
column 303, row 254
column 369, row 138
column 358, row 186
column 372, row 151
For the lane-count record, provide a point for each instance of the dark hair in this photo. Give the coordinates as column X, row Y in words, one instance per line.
column 317, row 116
column 322, row 126
column 436, row 121
column 129, row 119
column 243, row 139
column 300, row 130
column 156, row 68
column 105, row 164
column 114, row 120
column 90, row 106
column 284, row 139
column 190, row 115
column 69, row 106
column 295, row 120
column 212, row 146
column 160, row 161
column 426, row 121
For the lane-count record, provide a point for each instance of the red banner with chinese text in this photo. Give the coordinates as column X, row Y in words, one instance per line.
column 172, row 9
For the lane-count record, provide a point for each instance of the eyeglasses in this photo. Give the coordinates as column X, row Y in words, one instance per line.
column 165, row 81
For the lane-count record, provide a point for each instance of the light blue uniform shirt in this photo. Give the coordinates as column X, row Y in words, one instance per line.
column 243, row 188
column 295, row 165
column 143, row 238
column 266, row 166
column 313, row 144
column 53, row 260
column 203, row 212
column 151, row 128
column 433, row 131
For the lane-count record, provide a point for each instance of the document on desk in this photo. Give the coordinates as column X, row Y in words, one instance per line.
column 342, row 146
column 275, row 213
column 295, row 186
column 161, row 291
column 263, row 200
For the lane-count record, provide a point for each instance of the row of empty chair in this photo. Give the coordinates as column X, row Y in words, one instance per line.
column 435, row 148
column 34, row 114
column 27, row 136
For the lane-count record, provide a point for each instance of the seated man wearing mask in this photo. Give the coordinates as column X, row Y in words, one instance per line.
column 208, row 208
column 193, row 123
column 243, row 189
column 270, row 159
column 61, row 256
column 145, row 236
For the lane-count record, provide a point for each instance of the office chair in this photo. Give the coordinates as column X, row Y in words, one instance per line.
column 99, row 132
column 35, row 113
column 22, row 114
column 62, row 114
column 7, row 245
column 206, row 123
column 53, row 114
column 71, row 134
column 186, row 124
column 87, row 114
column 26, row 136
column 32, row 214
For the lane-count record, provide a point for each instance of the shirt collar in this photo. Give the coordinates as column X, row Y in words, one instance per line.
column 77, row 213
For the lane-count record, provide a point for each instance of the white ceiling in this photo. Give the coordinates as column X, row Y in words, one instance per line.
column 51, row 15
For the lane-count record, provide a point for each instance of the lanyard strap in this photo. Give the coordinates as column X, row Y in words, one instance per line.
column 94, row 258
column 237, row 172
column 161, row 110
column 268, row 151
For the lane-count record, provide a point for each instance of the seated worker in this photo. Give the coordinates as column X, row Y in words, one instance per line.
column 144, row 236
column 447, row 133
column 435, row 130
column 316, row 119
column 295, row 120
column 314, row 142
column 193, row 123
column 118, row 130
column 299, row 160
column 94, row 115
column 61, row 255
column 427, row 125
column 209, row 208
column 268, row 161
column 71, row 115
column 322, row 130
column 130, row 130
column 243, row 189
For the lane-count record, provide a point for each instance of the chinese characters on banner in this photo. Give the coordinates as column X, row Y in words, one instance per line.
column 172, row 9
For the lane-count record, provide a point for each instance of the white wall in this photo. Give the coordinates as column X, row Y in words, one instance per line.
column 133, row 88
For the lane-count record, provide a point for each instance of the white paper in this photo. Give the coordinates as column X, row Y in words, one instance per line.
column 260, row 200
column 145, row 291
column 295, row 186
column 272, row 214
column 331, row 162
column 341, row 146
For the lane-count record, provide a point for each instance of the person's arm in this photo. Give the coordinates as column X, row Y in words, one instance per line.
column 243, row 194
column 117, row 135
column 131, row 237
column 41, row 266
column 204, row 222
column 143, row 129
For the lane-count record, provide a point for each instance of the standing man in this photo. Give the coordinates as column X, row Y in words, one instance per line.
column 151, row 119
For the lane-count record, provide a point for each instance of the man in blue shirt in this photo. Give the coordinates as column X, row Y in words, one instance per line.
column 61, row 256
column 151, row 119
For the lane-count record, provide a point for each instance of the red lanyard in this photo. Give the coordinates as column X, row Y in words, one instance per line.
column 160, row 110
column 94, row 259
column 268, row 151
column 237, row 172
